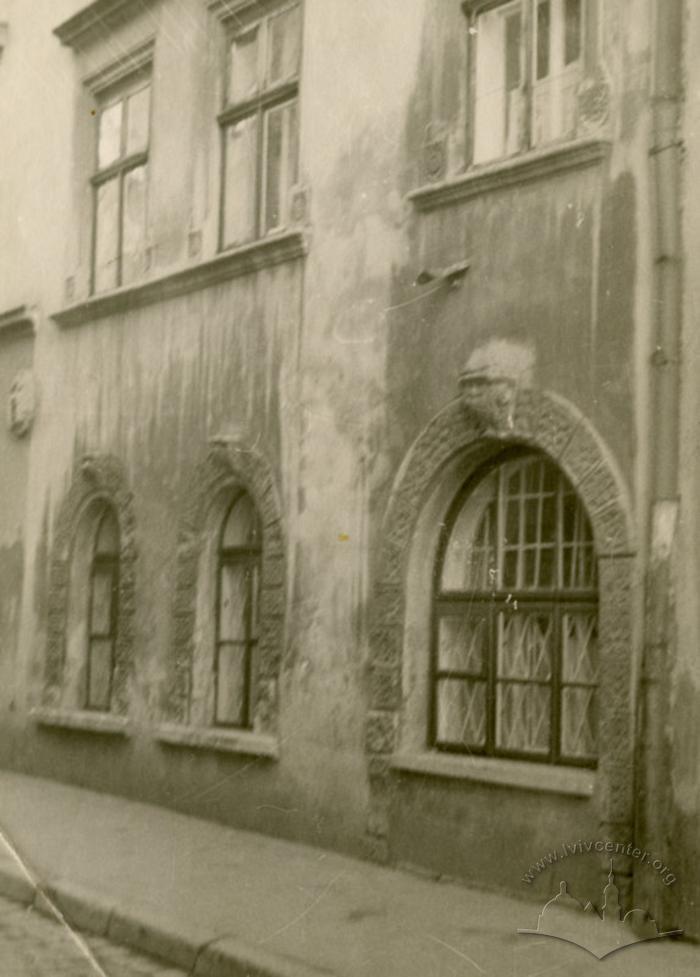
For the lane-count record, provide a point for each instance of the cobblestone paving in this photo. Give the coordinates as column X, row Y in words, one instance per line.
column 31, row 945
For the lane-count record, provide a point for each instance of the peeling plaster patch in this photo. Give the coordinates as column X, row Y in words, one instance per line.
column 501, row 358
column 663, row 530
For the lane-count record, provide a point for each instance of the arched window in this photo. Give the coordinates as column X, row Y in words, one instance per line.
column 237, row 612
column 103, row 611
column 515, row 657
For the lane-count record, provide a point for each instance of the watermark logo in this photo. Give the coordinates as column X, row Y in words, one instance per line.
column 599, row 932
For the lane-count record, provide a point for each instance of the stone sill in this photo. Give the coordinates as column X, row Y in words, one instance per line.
column 539, row 777
column 82, row 721
column 229, row 264
column 515, row 170
column 243, row 742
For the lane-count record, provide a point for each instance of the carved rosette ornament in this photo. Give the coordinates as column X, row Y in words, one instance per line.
column 21, row 408
column 488, row 398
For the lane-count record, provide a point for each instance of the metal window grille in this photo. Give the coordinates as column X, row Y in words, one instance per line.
column 514, row 664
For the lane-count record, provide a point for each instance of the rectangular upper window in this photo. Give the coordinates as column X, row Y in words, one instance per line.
column 120, row 184
column 527, row 67
column 259, row 125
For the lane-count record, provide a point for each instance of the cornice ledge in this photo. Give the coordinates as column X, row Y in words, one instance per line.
column 19, row 320
column 514, row 171
column 100, row 15
column 232, row 8
column 231, row 264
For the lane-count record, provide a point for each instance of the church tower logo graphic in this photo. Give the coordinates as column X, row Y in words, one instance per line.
column 600, row 933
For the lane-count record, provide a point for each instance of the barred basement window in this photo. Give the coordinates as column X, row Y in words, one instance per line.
column 237, row 612
column 515, row 644
column 102, row 613
column 527, row 65
column 120, row 185
column 259, row 124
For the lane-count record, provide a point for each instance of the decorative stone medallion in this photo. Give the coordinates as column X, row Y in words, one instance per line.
column 488, row 398
column 21, row 408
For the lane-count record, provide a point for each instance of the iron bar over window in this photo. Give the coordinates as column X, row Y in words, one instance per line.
column 102, row 613
column 237, row 607
column 515, row 653
column 120, row 187
column 259, row 126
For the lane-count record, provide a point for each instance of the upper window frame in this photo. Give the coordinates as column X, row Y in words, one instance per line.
column 472, row 10
column 238, row 23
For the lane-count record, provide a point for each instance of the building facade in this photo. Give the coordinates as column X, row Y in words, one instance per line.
column 348, row 476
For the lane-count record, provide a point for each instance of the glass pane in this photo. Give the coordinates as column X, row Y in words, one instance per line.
column 134, row 217
column 525, row 645
column 462, row 642
column 543, row 32
column 254, row 601
column 137, row 112
column 280, row 163
column 243, row 81
column 101, row 604
column 572, row 31
column 284, row 44
column 241, row 527
column 233, row 602
column 461, row 713
column 513, row 31
column 470, row 556
column 523, row 717
column 107, row 540
column 580, row 647
column 579, row 723
column 99, row 673
column 239, row 190
column 230, row 685
column 109, row 143
column 106, row 235
column 489, row 100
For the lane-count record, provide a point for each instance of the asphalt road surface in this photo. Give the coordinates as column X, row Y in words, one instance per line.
column 32, row 945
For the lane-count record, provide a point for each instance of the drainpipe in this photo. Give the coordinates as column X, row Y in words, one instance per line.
column 665, row 160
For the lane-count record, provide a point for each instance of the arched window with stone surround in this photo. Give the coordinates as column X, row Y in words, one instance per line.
column 237, row 612
column 514, row 664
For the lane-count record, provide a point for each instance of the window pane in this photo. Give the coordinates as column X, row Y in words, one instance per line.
column 525, row 645
column 543, row 38
column 280, row 164
column 233, row 602
column 240, row 181
column 137, row 112
column 110, row 135
column 580, row 647
column 284, row 42
column 101, row 604
column 99, row 673
column 134, row 217
column 463, row 641
column 579, row 723
column 106, row 235
column 513, row 32
column 523, row 717
column 243, row 80
column 241, row 528
column 107, row 542
column 470, row 557
column 230, row 685
column 572, row 36
column 461, row 713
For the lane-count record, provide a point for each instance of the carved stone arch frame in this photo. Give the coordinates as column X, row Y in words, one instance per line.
column 225, row 469
column 495, row 412
column 95, row 478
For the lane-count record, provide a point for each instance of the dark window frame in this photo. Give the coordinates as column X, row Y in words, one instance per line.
column 120, row 91
column 99, row 564
column 257, row 106
column 552, row 602
column 250, row 558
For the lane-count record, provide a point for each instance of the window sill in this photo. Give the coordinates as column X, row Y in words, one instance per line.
column 265, row 253
column 242, row 742
column 540, row 778
column 515, row 170
column 82, row 721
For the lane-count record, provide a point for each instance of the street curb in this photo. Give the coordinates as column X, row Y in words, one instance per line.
column 222, row 957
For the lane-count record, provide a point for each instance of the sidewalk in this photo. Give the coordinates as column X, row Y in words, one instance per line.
column 225, row 903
